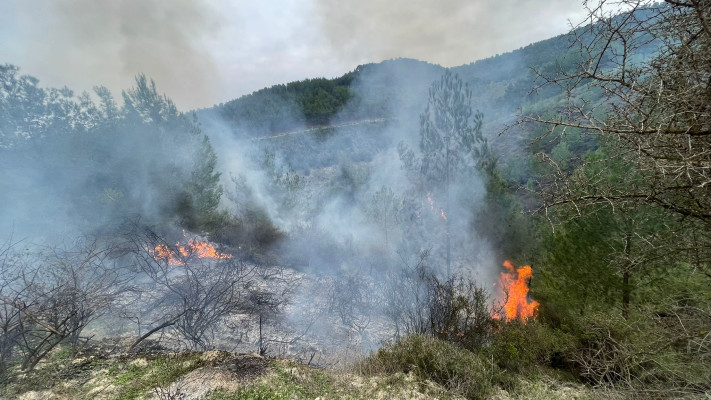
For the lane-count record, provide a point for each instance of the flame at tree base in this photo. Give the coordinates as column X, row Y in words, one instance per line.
column 513, row 288
column 194, row 247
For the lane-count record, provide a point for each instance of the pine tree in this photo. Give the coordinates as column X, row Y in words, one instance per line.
column 451, row 145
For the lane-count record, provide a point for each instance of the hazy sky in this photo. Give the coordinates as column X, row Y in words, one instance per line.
column 202, row 52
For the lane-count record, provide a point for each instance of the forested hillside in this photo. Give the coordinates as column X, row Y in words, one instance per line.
column 368, row 92
column 531, row 225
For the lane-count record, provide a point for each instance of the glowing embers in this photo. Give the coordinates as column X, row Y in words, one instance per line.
column 193, row 248
column 431, row 202
column 513, row 290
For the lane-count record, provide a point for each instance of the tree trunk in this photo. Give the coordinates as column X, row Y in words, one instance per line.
column 154, row 330
column 385, row 222
column 446, row 220
column 626, row 288
column 262, row 349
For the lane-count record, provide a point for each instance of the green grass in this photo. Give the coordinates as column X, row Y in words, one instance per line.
column 132, row 373
column 59, row 368
column 135, row 381
column 289, row 380
column 280, row 386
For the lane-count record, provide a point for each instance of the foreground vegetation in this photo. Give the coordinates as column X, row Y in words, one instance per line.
column 416, row 367
column 616, row 177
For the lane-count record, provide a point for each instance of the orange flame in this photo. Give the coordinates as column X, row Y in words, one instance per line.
column 194, row 247
column 430, row 200
column 514, row 288
column 163, row 252
column 443, row 214
column 201, row 250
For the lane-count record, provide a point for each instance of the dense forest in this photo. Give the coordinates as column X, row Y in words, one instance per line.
column 539, row 216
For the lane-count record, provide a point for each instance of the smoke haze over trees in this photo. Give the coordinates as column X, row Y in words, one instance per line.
column 328, row 216
column 95, row 162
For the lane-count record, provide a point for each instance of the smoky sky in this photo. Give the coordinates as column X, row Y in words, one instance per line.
column 445, row 32
column 203, row 52
column 84, row 43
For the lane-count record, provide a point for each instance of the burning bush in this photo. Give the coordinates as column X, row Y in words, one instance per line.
column 513, row 290
column 193, row 248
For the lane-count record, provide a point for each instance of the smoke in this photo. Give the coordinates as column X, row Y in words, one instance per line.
column 320, row 187
column 446, row 32
column 84, row 43
column 206, row 51
column 70, row 166
column 327, row 220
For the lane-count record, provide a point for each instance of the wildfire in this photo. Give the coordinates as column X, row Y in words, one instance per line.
column 163, row 252
column 430, row 200
column 513, row 285
column 194, row 247
column 202, row 250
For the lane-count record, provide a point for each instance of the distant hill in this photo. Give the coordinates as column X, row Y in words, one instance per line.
column 501, row 86
column 371, row 91
column 296, row 117
column 392, row 89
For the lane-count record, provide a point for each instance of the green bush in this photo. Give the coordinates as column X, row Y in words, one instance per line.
column 517, row 346
column 641, row 353
column 455, row 368
column 134, row 381
column 663, row 343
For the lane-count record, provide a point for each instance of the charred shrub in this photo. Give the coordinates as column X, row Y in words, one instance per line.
column 253, row 234
column 454, row 310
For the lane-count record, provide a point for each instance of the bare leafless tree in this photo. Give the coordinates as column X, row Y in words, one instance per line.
column 354, row 299
column 186, row 293
column 407, row 296
column 648, row 69
column 455, row 309
column 57, row 292
column 11, row 294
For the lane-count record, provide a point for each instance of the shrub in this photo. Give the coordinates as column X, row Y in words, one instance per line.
column 455, row 368
column 454, row 310
column 517, row 346
column 458, row 312
column 639, row 353
column 253, row 235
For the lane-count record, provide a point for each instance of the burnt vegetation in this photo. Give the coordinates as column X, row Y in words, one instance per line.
column 370, row 214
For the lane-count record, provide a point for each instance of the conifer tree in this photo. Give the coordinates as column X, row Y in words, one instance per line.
column 451, row 145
